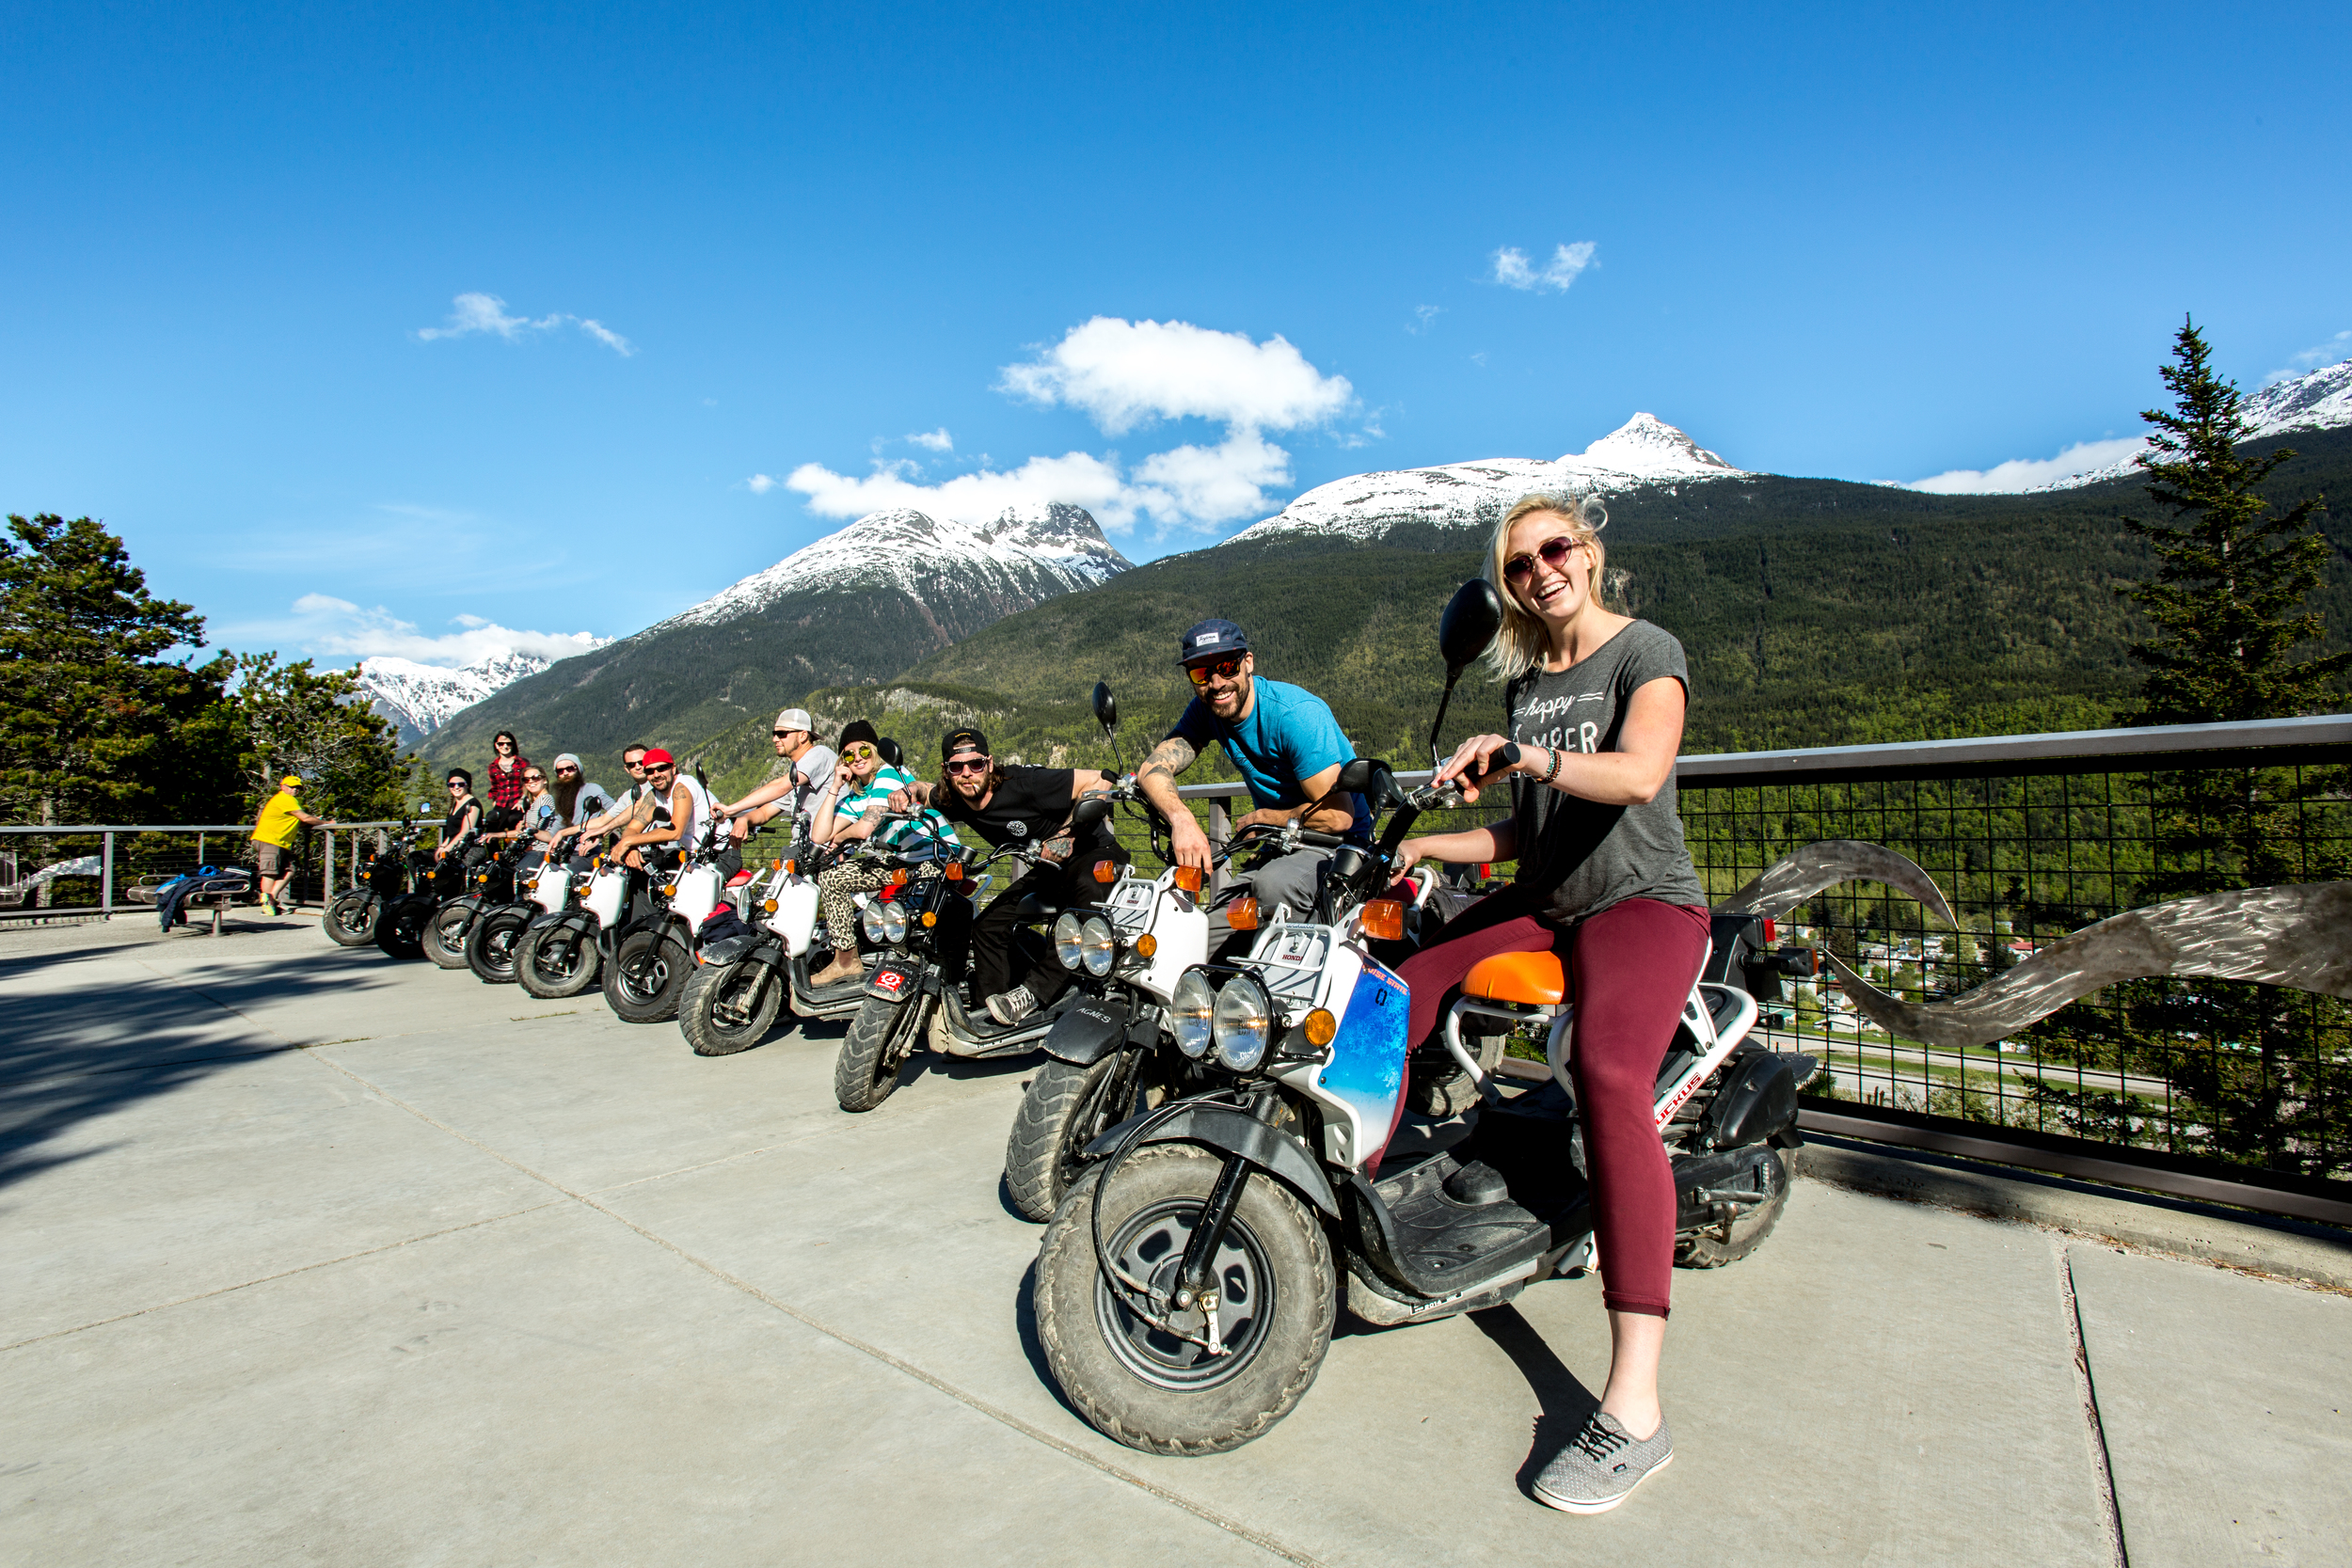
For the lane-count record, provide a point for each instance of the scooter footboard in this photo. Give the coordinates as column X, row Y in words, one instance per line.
column 1234, row 1131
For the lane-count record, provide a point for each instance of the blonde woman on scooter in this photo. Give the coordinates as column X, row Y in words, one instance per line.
column 1594, row 702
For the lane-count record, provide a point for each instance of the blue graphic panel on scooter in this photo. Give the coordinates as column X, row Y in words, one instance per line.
column 1367, row 1067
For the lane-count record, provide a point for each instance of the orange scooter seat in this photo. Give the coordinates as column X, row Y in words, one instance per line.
column 1525, row 977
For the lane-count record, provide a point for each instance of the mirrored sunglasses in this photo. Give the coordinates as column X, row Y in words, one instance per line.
column 859, row 752
column 1224, row 668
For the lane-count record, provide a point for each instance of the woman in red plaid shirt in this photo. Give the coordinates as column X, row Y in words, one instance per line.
column 507, row 767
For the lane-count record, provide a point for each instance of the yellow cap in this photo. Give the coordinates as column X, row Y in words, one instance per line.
column 292, row 781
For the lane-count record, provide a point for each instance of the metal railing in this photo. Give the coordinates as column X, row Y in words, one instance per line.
column 84, row 870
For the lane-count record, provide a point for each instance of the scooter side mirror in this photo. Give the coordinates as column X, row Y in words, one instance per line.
column 890, row 751
column 1468, row 629
column 1370, row 778
column 1105, row 706
column 1089, row 811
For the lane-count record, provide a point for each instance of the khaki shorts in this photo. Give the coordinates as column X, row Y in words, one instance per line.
column 272, row 859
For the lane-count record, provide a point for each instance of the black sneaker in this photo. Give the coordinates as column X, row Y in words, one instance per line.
column 1601, row 1466
column 1010, row 1006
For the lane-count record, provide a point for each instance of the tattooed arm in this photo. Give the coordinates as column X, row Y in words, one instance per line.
column 1156, row 778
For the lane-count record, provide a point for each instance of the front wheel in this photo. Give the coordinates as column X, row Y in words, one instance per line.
column 552, row 961
column 400, row 930
column 1735, row 1238
column 646, row 976
column 490, row 945
column 729, row 1007
column 445, row 938
column 350, row 920
column 881, row 1038
column 1066, row 1108
column 1161, row 1388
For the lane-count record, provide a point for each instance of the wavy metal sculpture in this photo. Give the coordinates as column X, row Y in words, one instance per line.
column 1803, row 873
column 2299, row 936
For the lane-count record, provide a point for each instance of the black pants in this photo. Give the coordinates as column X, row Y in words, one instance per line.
column 994, row 958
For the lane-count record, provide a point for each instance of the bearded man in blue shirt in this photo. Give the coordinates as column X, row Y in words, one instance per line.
column 1288, row 749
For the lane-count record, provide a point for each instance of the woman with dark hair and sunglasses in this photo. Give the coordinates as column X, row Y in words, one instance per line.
column 465, row 815
column 507, row 766
column 1596, row 704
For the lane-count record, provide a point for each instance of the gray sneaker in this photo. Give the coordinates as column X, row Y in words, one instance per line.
column 1010, row 1006
column 1601, row 1466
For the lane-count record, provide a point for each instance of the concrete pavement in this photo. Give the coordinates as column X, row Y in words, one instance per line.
column 307, row 1255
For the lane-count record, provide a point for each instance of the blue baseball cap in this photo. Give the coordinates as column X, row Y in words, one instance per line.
column 1211, row 639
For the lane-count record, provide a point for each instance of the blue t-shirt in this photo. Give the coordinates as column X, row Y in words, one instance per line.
column 1288, row 735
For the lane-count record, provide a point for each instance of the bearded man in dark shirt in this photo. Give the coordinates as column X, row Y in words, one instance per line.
column 1010, row 806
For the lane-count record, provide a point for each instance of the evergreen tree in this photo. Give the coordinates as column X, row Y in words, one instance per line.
column 2232, row 579
column 91, row 713
column 293, row 719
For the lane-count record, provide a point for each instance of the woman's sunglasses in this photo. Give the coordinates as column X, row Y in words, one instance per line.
column 455, row 784
column 534, row 778
column 1552, row 552
column 505, row 745
column 1223, row 669
column 859, row 752
column 968, row 764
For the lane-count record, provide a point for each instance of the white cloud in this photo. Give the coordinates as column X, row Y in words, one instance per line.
column 936, row 440
column 337, row 629
column 2336, row 348
column 1077, row 479
column 760, row 484
column 477, row 312
column 1123, row 373
column 1217, row 484
column 2024, row 473
column 1514, row 271
column 1424, row 317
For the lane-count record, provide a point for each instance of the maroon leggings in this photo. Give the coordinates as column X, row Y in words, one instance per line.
column 1629, row 969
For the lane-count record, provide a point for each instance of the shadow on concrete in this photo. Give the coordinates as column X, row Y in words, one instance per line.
column 1033, row 1345
column 72, row 1054
column 1565, row 1402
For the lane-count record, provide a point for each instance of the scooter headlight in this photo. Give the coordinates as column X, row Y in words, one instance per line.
column 1068, row 943
column 894, row 922
column 1244, row 1023
column 1191, row 1012
column 869, row 920
column 1098, row 944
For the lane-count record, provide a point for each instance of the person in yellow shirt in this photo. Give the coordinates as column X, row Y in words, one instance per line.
column 274, row 839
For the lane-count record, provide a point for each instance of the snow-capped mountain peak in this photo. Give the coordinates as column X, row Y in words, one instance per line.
column 1025, row 554
column 2317, row 400
column 419, row 699
column 1645, row 450
column 1646, row 444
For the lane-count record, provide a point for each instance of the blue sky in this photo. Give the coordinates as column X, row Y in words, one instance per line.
column 1875, row 243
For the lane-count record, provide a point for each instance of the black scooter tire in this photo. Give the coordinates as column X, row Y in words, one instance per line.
column 350, row 921
column 1061, row 1113
column 399, row 930
column 490, row 945
column 445, row 935
column 882, row 1036
column 646, row 976
column 1274, row 1370
column 1714, row 1249
column 712, row 985
column 552, row 963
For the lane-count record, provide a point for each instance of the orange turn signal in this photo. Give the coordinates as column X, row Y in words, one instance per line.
column 1242, row 914
column 1106, row 871
column 1319, row 1026
column 955, row 871
column 897, row 879
column 931, row 917
column 1188, row 878
column 1146, row 945
column 768, row 906
column 1384, row 919
column 775, row 865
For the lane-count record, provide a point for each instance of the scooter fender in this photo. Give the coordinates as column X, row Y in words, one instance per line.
column 1758, row 1102
column 1090, row 1029
column 1234, row 1131
column 897, row 978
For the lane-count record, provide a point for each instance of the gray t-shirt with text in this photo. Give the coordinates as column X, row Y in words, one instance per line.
column 1586, row 855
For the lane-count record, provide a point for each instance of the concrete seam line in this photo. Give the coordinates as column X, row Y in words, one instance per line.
column 2087, row 1391
column 282, row 1274
column 1207, row 1515
column 214, row 1000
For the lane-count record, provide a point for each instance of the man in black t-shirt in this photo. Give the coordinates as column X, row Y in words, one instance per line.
column 1018, row 805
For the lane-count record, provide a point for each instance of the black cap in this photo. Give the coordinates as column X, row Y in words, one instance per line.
column 857, row 729
column 1211, row 639
column 966, row 739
